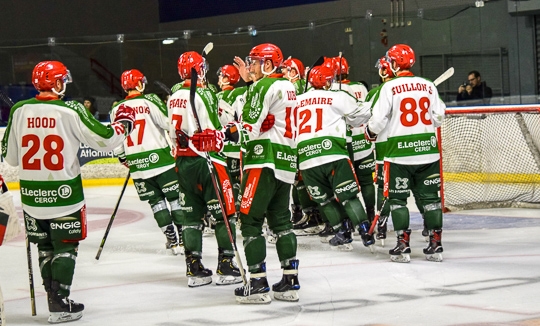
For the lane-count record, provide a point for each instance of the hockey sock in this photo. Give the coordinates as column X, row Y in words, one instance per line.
column 286, row 245
column 367, row 188
column 161, row 213
column 255, row 249
column 400, row 214
column 222, row 235
column 355, row 211
column 433, row 216
column 192, row 237
column 177, row 214
column 322, row 215
column 333, row 211
column 295, row 199
column 63, row 265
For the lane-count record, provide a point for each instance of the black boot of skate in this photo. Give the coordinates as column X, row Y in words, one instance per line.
column 226, row 270
column 425, row 231
column 309, row 224
column 367, row 238
column 434, row 250
column 256, row 291
column 180, row 240
column 287, row 288
column 327, row 233
column 172, row 240
column 343, row 237
column 297, row 214
column 401, row 253
column 62, row 309
column 195, row 271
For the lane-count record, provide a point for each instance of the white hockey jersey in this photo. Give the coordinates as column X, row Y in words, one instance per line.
column 147, row 150
column 274, row 148
column 409, row 109
column 231, row 103
column 322, row 118
column 42, row 138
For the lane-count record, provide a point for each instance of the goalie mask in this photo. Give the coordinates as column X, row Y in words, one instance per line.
column 402, row 55
column 130, row 80
column 229, row 71
column 190, row 60
column 46, row 73
column 321, row 77
column 263, row 52
column 292, row 63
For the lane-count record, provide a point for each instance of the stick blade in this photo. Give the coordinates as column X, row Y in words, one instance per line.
column 445, row 75
column 207, row 49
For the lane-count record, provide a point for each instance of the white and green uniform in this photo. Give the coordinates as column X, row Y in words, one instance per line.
column 269, row 169
column 197, row 193
column 42, row 138
column 406, row 111
column 231, row 103
column 151, row 164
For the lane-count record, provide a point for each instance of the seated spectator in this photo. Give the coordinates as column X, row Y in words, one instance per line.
column 89, row 104
column 474, row 90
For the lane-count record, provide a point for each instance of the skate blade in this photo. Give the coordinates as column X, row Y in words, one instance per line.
column 194, row 282
column 228, row 279
column 426, row 239
column 63, row 317
column 343, row 247
column 326, row 239
column 261, row 298
column 437, row 257
column 382, row 242
column 291, row 296
column 403, row 258
column 371, row 248
column 208, row 231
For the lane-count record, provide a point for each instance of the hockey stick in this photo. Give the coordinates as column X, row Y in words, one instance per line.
column 386, row 174
column 192, row 92
column 208, row 47
column 5, row 98
column 445, row 75
column 163, row 87
column 340, row 61
column 319, row 62
column 112, row 217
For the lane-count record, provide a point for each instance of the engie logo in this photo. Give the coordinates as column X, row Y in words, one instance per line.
column 65, row 225
column 348, row 187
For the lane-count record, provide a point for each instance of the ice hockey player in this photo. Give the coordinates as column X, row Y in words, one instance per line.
column 269, row 171
column 360, row 149
column 322, row 116
column 42, row 138
column 306, row 215
column 408, row 109
column 147, row 154
column 197, row 192
column 231, row 101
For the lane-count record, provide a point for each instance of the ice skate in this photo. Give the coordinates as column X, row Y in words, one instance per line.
column 309, row 224
column 297, row 214
column 257, row 289
column 381, row 229
column 62, row 309
column 367, row 239
column 402, row 252
column 196, row 273
column 327, row 233
column 425, row 231
column 209, row 224
column 434, row 250
column 287, row 288
column 172, row 241
column 343, row 238
column 227, row 271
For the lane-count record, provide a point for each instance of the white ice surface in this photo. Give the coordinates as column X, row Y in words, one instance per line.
column 490, row 276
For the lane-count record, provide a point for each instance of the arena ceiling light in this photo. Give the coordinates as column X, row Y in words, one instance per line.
column 169, row 40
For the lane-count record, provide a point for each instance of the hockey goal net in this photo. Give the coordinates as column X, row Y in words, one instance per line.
column 491, row 157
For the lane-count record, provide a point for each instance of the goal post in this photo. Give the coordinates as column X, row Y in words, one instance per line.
column 491, row 157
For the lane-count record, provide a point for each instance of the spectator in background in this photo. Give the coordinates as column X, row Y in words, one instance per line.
column 89, row 104
column 474, row 90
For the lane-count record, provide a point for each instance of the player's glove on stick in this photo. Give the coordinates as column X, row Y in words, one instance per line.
column 126, row 116
column 208, row 140
column 123, row 160
column 231, row 132
column 369, row 135
column 268, row 123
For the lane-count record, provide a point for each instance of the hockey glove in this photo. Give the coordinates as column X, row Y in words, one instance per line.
column 182, row 140
column 369, row 135
column 268, row 123
column 231, row 132
column 208, row 141
column 123, row 160
column 126, row 116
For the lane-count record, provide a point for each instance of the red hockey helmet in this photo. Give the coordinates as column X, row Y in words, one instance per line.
column 130, row 80
column 342, row 66
column 230, row 72
column 330, row 64
column 296, row 64
column 46, row 73
column 191, row 59
column 319, row 76
column 266, row 51
column 402, row 55
column 384, row 67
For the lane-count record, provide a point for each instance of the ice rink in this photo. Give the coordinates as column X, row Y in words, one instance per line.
column 490, row 276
